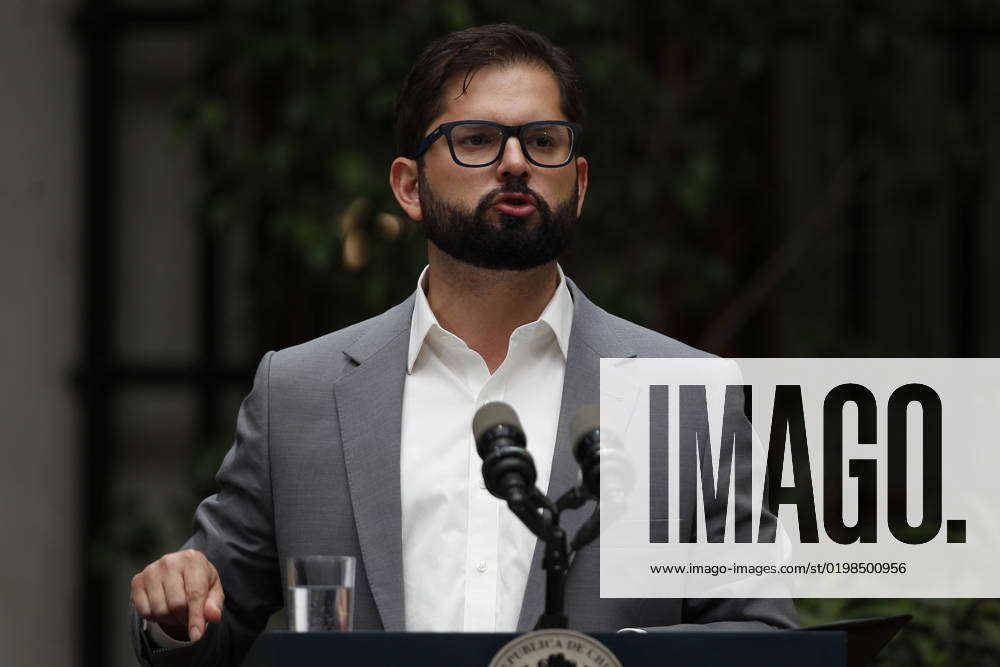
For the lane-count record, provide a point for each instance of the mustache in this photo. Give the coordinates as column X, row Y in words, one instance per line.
column 513, row 186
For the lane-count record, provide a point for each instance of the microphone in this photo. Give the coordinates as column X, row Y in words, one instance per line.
column 508, row 469
column 585, row 434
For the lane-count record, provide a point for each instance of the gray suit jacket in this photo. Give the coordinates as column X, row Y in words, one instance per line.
column 315, row 469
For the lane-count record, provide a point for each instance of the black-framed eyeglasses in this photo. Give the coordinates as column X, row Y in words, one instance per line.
column 480, row 143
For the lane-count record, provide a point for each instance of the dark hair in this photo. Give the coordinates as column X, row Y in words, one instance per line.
column 467, row 51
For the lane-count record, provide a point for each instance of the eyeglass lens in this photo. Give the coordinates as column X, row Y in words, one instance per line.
column 480, row 144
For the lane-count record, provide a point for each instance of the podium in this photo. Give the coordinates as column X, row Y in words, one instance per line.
column 418, row 649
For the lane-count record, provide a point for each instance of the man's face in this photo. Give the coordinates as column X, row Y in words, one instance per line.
column 462, row 208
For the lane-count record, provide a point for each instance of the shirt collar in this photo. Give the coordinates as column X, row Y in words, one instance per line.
column 558, row 315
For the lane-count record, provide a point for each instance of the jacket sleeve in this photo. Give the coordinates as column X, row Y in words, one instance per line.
column 235, row 529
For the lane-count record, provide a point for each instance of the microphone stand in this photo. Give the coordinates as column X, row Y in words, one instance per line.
column 556, row 565
column 510, row 473
column 541, row 516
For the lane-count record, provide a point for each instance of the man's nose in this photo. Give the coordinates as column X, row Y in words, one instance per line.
column 513, row 163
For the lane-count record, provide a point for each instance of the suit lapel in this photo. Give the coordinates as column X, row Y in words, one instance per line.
column 369, row 400
column 590, row 339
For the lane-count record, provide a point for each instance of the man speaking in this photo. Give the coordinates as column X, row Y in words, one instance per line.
column 359, row 442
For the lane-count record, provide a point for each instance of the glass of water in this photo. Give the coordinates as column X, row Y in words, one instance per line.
column 321, row 593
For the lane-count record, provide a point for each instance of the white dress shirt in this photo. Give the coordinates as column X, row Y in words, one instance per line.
column 466, row 556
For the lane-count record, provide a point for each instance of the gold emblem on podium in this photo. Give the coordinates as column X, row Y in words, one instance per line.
column 554, row 648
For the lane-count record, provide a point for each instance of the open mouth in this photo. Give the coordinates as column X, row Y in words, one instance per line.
column 514, row 204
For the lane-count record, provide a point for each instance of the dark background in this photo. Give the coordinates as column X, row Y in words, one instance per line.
column 767, row 179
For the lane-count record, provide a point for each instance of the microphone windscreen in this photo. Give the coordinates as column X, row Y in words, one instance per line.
column 491, row 414
column 584, row 421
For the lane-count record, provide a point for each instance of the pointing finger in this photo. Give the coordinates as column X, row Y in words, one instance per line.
column 196, row 590
column 213, row 605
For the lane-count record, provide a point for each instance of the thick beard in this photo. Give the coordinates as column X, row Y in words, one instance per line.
column 511, row 243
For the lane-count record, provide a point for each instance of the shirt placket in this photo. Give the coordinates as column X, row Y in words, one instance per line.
column 483, row 555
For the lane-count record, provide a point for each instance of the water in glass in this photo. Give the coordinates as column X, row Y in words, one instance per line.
column 321, row 608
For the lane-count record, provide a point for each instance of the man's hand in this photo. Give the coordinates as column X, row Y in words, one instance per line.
column 180, row 592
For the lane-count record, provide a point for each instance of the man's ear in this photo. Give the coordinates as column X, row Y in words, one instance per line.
column 581, row 183
column 403, row 181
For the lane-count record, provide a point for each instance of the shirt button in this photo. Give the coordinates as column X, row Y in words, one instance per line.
column 482, row 483
column 481, row 566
